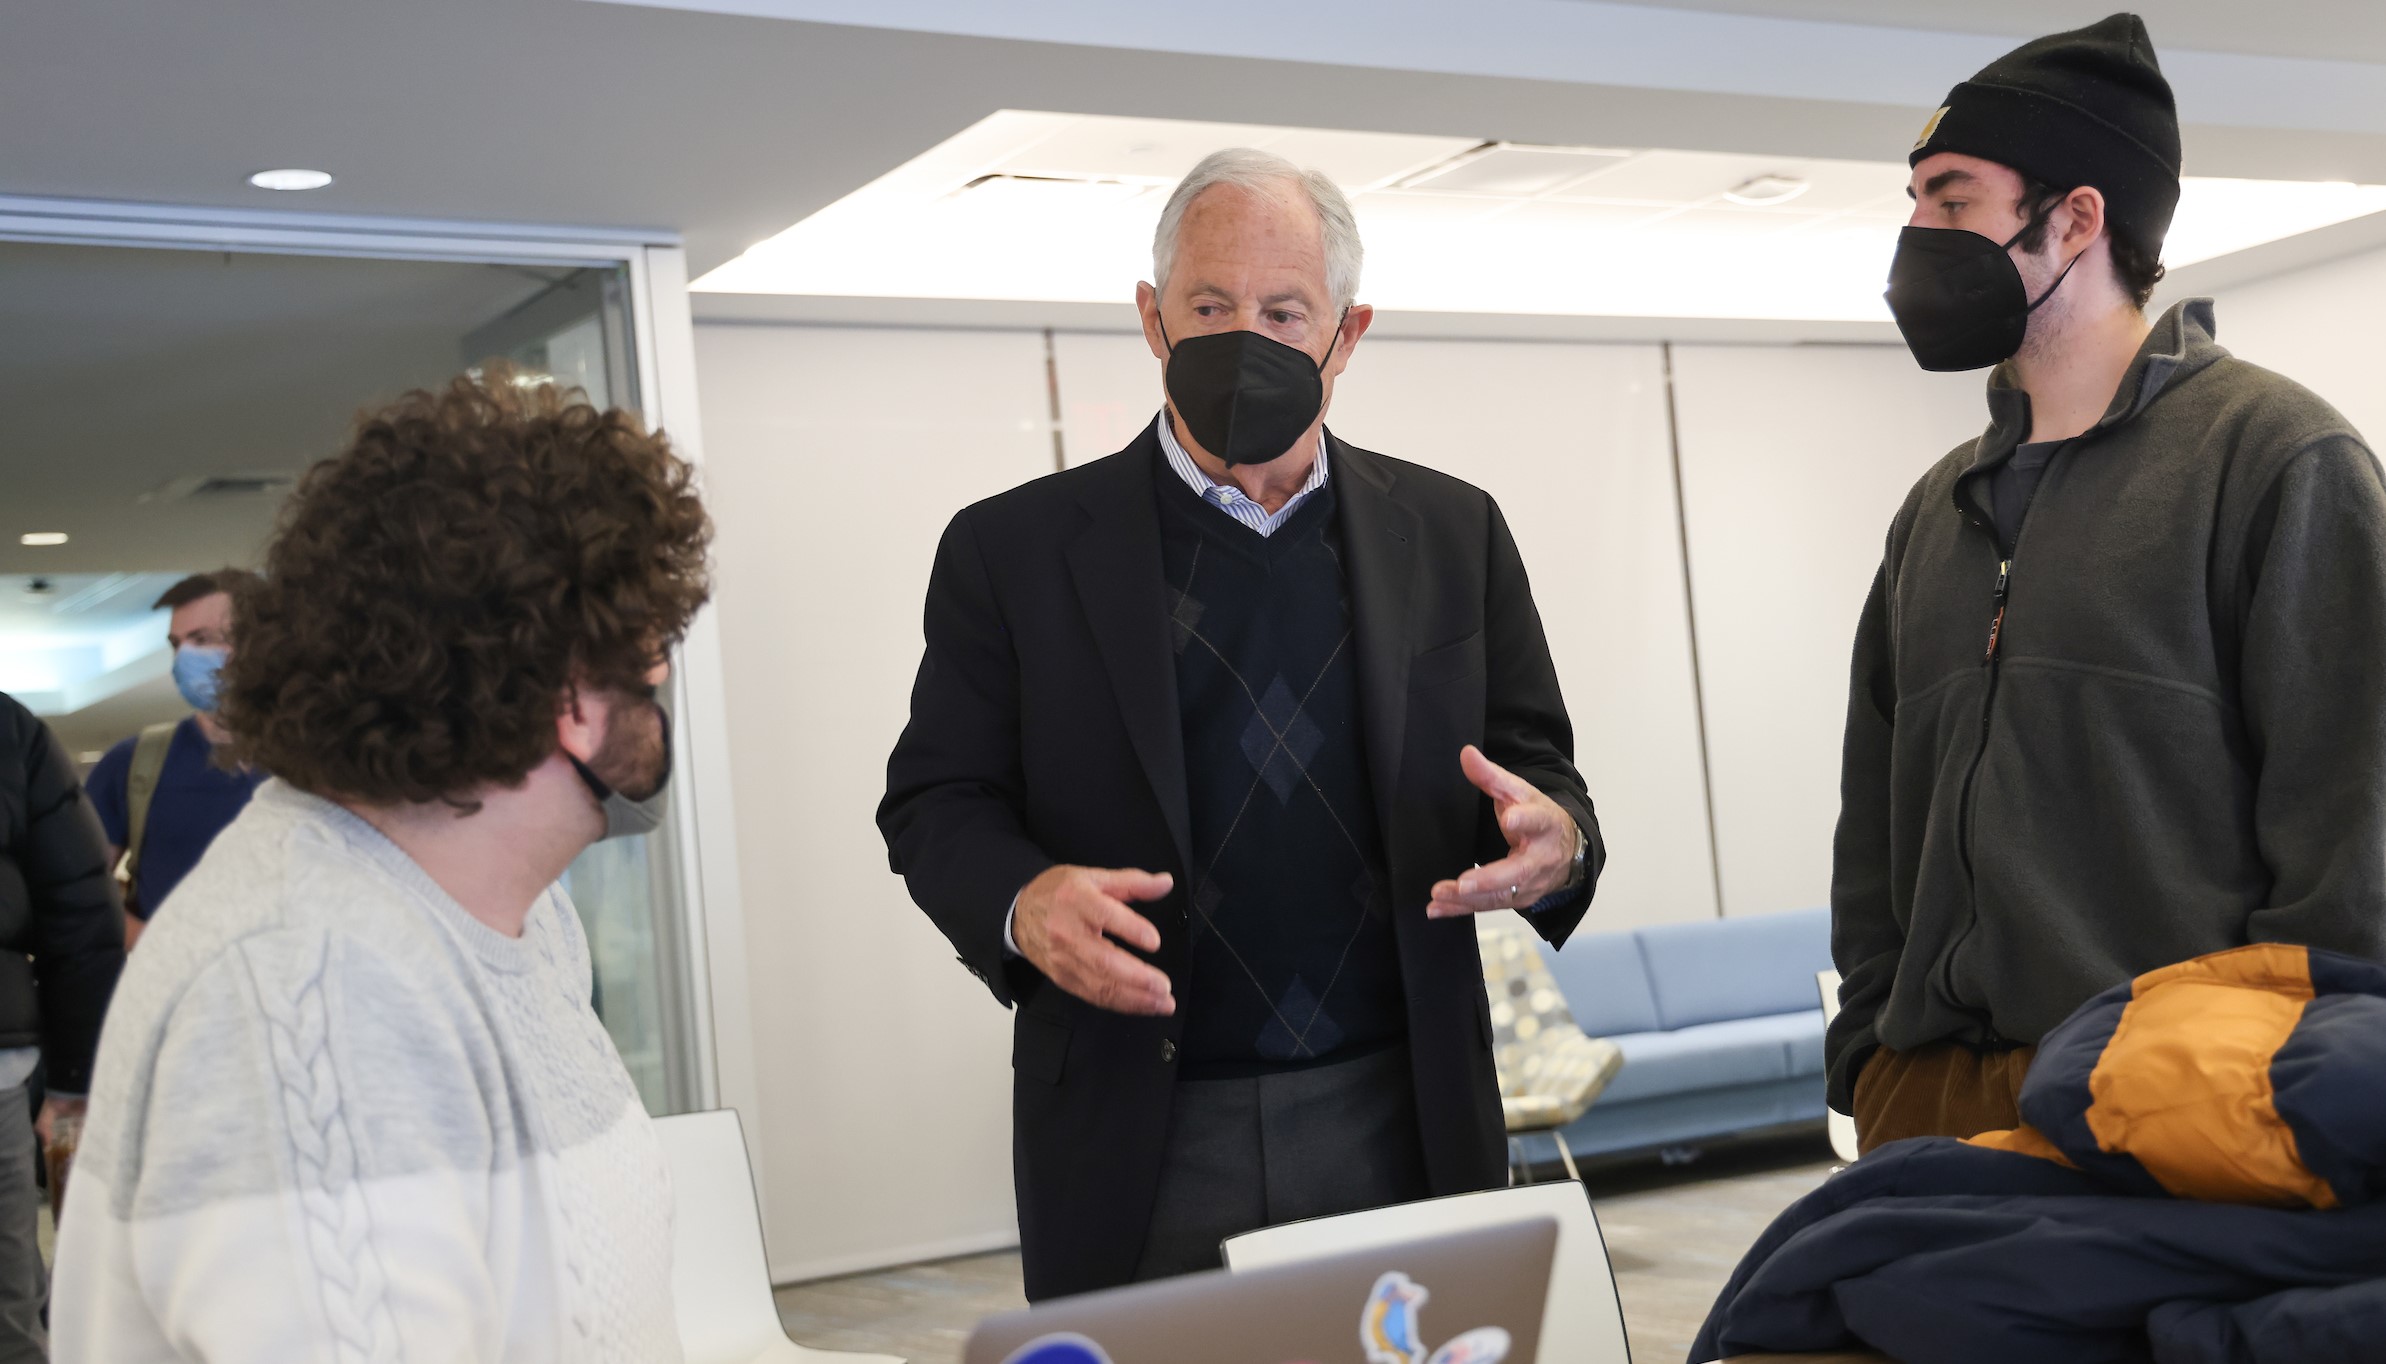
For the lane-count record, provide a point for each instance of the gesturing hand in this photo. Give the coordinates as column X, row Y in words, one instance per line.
column 1064, row 924
column 1540, row 845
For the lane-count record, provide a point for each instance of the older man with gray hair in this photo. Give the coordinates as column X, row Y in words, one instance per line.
column 1215, row 743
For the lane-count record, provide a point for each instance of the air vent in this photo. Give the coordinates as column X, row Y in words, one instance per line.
column 1079, row 189
column 222, row 487
column 1512, row 169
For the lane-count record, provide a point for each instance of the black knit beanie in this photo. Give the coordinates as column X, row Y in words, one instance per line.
column 2088, row 107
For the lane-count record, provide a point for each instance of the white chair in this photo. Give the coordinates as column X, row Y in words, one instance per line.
column 1584, row 1321
column 719, row 1274
column 1841, row 1126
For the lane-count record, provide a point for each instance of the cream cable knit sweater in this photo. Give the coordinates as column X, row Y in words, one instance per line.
column 337, row 1118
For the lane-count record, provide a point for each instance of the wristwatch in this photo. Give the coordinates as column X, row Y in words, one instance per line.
column 1581, row 871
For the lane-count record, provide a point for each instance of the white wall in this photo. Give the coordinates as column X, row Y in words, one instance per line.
column 1793, row 460
column 1571, row 438
column 1572, row 441
column 2318, row 326
column 833, row 459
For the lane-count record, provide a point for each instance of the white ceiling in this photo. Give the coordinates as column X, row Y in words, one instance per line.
column 1028, row 205
column 729, row 128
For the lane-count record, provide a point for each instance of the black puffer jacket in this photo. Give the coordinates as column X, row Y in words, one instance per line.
column 61, row 927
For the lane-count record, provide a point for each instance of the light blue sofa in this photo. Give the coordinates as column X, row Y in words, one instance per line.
column 1719, row 1022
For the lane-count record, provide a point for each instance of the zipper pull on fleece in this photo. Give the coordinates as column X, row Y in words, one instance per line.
column 1996, row 623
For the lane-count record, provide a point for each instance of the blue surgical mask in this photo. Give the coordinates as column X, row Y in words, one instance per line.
column 197, row 670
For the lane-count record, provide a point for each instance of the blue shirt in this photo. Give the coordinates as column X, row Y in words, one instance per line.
column 194, row 802
column 1230, row 499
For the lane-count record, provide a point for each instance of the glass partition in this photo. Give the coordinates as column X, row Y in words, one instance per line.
column 578, row 331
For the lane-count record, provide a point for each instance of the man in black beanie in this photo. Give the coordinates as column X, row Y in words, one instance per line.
column 2119, row 693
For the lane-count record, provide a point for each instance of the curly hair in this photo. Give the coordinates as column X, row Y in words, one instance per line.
column 433, row 593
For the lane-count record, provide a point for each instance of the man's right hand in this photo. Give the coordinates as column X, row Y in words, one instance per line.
column 1064, row 923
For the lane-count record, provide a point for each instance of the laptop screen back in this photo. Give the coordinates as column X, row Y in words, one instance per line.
column 1469, row 1298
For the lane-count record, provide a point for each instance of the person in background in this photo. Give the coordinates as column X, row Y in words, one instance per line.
column 161, row 795
column 1288, row 694
column 2116, row 696
column 61, row 948
column 352, row 1102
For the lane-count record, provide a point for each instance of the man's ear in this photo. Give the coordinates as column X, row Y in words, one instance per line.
column 2085, row 208
column 1354, row 325
column 576, row 724
column 1147, row 304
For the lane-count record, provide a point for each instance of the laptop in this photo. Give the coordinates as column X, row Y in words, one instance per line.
column 1472, row 1297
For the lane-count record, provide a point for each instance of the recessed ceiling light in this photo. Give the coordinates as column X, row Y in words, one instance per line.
column 42, row 537
column 290, row 179
column 1764, row 190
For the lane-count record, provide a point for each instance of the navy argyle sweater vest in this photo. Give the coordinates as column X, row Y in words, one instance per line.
column 1292, row 960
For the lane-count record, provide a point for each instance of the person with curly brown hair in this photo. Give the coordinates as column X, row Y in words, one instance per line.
column 353, row 1103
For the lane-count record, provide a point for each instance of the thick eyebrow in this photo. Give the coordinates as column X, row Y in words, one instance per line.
column 1939, row 182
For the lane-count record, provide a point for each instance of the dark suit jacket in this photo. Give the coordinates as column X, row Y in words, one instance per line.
column 1044, row 729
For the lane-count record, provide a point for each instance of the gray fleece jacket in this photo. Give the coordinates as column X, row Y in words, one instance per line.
column 2173, row 742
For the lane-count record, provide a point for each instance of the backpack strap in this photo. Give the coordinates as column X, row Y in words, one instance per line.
column 140, row 788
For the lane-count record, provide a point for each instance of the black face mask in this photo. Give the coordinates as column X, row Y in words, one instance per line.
column 1245, row 397
column 1959, row 298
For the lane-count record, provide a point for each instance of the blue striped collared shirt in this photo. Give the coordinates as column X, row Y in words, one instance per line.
column 1230, row 499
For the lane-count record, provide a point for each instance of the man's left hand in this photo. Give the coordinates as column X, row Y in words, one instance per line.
column 53, row 1108
column 1540, row 838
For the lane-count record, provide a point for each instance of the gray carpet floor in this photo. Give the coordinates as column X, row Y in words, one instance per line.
column 1673, row 1236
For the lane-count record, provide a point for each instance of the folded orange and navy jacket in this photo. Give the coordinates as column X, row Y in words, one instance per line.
column 2199, row 1182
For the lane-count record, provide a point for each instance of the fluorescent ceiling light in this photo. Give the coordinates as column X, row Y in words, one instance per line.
column 290, row 179
column 42, row 537
column 1060, row 208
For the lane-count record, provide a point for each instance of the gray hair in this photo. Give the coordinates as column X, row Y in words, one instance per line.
column 1266, row 173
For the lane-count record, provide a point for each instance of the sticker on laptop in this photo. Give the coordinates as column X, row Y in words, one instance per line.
column 1391, row 1333
column 1483, row 1345
column 1065, row 1348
